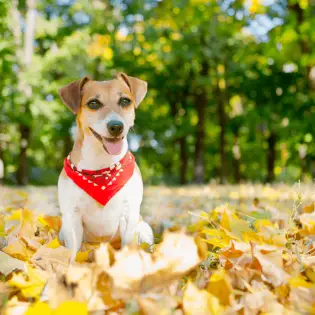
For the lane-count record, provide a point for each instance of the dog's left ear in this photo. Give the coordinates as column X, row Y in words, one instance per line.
column 71, row 94
column 137, row 87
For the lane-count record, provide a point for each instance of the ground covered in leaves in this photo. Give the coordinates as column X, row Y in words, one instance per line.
column 219, row 250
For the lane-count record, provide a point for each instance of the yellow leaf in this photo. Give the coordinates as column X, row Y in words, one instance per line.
column 2, row 225
column 220, row 286
column 27, row 227
column 71, row 307
column 14, row 307
column 254, row 6
column 120, row 36
column 176, row 36
column 82, row 256
column 15, row 215
column 304, row 4
column 200, row 1
column 54, row 243
column 252, row 237
column 52, row 222
column 167, row 48
column 225, row 221
column 103, row 285
column 239, row 226
column 108, row 53
column 200, row 302
column 52, row 259
column 218, row 238
column 136, row 270
column 137, row 51
column 299, row 281
column 39, row 308
column 9, row 264
column 30, row 286
column 261, row 223
column 310, row 273
column 309, row 208
column 18, row 249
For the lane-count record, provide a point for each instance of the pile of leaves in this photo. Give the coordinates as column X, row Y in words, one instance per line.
column 225, row 262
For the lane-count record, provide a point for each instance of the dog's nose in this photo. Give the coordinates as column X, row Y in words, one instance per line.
column 115, row 128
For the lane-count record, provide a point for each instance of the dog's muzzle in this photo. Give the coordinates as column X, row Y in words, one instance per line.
column 112, row 146
column 115, row 128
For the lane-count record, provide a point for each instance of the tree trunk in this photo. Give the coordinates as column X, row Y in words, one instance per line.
column 24, row 88
column 304, row 44
column 222, row 124
column 181, row 140
column 2, row 173
column 271, row 157
column 221, row 114
column 22, row 173
column 303, row 159
column 183, row 161
column 236, row 157
column 201, row 103
column 303, row 169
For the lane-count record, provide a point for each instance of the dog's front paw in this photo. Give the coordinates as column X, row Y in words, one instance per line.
column 144, row 233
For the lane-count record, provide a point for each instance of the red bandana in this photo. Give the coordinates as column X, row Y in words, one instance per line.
column 103, row 184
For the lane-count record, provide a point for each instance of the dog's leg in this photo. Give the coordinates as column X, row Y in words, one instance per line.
column 144, row 233
column 72, row 228
column 131, row 228
column 72, row 232
column 128, row 223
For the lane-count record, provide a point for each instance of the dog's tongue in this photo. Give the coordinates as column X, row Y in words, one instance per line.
column 113, row 148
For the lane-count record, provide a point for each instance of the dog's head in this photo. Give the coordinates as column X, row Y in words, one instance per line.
column 105, row 109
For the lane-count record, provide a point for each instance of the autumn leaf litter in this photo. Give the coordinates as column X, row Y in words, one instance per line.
column 229, row 260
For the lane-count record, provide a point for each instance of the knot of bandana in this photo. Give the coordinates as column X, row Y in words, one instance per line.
column 102, row 184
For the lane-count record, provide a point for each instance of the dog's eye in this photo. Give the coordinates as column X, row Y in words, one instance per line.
column 124, row 101
column 94, row 104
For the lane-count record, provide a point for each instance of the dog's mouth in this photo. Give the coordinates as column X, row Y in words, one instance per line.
column 112, row 146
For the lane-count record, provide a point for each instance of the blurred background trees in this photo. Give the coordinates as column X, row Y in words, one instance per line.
column 231, row 85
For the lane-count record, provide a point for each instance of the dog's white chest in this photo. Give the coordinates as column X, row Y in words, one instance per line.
column 103, row 221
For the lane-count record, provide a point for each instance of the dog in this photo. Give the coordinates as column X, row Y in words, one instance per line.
column 100, row 188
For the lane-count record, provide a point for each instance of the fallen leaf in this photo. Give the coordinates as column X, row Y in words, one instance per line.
column 259, row 300
column 103, row 285
column 157, row 304
column 220, row 286
column 18, row 249
column 30, row 285
column 104, row 256
column 53, row 243
column 9, row 264
column 137, row 271
column 52, row 222
column 71, row 307
column 52, row 259
column 2, row 225
column 39, row 308
column 16, row 307
column 200, row 302
column 78, row 283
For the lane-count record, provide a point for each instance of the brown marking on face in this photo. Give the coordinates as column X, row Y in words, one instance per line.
column 78, row 93
column 108, row 93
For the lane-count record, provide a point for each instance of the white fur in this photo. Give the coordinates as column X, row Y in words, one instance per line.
column 80, row 211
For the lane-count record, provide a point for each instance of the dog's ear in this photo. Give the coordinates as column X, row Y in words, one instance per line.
column 137, row 87
column 71, row 94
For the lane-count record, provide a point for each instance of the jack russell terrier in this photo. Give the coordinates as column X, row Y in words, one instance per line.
column 100, row 188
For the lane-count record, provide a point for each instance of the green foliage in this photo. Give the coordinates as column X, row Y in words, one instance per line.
column 187, row 51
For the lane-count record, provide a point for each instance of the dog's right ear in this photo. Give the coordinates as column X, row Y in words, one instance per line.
column 71, row 94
